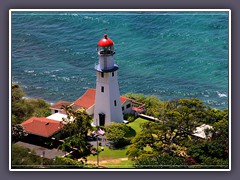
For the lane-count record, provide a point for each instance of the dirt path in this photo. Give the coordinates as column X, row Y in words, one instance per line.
column 108, row 161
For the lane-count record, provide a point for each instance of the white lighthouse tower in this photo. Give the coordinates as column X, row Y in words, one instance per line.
column 107, row 101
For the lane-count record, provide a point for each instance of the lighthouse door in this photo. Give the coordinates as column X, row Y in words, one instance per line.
column 101, row 119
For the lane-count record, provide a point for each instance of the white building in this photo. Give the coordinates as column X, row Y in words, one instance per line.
column 107, row 101
column 200, row 131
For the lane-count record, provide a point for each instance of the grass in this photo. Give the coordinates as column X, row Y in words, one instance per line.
column 121, row 164
column 136, row 124
column 108, row 154
column 112, row 158
column 117, row 158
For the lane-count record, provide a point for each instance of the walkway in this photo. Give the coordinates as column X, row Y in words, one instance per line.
column 49, row 153
column 117, row 160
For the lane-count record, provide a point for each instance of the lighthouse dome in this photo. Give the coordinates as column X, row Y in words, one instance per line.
column 105, row 46
column 105, row 41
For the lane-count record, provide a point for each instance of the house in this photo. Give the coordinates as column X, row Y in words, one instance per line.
column 41, row 126
column 87, row 102
column 58, row 107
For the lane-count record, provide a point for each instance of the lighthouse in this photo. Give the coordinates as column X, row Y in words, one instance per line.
column 107, row 99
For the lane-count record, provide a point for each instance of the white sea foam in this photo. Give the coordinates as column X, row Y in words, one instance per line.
column 221, row 94
column 29, row 71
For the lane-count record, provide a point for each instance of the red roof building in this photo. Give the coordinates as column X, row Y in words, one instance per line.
column 59, row 104
column 86, row 100
column 42, row 126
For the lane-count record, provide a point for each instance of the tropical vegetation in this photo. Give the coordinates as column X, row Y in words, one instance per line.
column 167, row 142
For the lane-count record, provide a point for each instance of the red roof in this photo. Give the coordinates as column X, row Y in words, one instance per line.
column 42, row 126
column 88, row 99
column 105, row 41
column 139, row 110
column 123, row 99
column 59, row 104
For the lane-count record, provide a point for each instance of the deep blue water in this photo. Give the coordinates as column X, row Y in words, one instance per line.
column 167, row 54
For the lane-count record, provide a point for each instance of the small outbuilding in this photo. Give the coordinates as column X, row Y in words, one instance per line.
column 201, row 131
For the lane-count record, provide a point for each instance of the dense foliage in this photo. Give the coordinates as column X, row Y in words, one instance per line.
column 24, row 158
column 118, row 134
column 152, row 103
column 171, row 137
column 75, row 133
column 23, row 109
column 166, row 143
column 214, row 152
column 18, row 132
column 160, row 161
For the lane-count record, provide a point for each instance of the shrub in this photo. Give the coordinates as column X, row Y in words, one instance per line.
column 117, row 134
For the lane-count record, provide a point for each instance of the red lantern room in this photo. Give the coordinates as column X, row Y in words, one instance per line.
column 105, row 46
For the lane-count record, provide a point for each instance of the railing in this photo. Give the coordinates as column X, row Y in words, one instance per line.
column 115, row 67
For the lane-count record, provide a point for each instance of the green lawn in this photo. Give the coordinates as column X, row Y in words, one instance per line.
column 117, row 158
column 122, row 164
column 136, row 124
column 112, row 158
column 110, row 154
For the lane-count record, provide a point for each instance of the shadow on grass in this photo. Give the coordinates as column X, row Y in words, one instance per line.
column 130, row 133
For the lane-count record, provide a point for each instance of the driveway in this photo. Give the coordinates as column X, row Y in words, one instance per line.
column 49, row 153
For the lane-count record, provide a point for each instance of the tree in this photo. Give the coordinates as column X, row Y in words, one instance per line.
column 117, row 134
column 138, row 97
column 152, row 103
column 75, row 132
column 23, row 158
column 18, row 132
column 172, row 135
column 17, row 93
column 23, row 109
column 65, row 162
column 213, row 152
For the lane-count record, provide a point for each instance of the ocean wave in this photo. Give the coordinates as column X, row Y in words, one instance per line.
column 176, row 59
column 221, row 94
column 29, row 71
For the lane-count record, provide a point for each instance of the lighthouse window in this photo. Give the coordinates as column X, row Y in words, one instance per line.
column 115, row 103
column 102, row 74
column 112, row 74
column 102, row 88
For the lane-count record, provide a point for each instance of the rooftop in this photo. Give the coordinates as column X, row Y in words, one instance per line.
column 88, row 99
column 200, row 131
column 42, row 126
column 58, row 117
column 59, row 104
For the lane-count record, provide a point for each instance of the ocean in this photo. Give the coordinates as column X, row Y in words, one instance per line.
column 170, row 55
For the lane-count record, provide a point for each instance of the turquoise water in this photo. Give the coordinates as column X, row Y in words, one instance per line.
column 168, row 54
